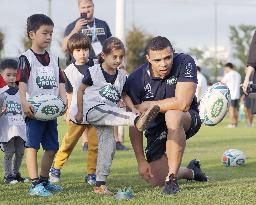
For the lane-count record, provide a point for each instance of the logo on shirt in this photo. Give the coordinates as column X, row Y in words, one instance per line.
column 163, row 135
column 148, row 90
column 13, row 108
column 188, row 72
column 46, row 82
column 171, row 81
column 110, row 93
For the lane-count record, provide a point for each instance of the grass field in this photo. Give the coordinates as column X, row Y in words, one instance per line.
column 235, row 185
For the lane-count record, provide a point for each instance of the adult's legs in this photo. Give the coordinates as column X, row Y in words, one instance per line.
column 161, row 173
column 177, row 123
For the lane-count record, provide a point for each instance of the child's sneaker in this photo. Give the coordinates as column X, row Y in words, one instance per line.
column 146, row 117
column 10, row 180
column 20, row 179
column 54, row 175
column 103, row 189
column 52, row 187
column 39, row 190
column 91, row 179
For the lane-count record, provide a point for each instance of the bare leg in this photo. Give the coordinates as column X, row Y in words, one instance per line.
column 46, row 162
column 31, row 161
column 160, row 174
column 177, row 122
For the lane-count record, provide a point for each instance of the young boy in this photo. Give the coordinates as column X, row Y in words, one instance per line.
column 40, row 74
column 78, row 47
column 12, row 125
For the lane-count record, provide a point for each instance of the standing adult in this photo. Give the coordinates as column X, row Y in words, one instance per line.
column 250, row 70
column 233, row 80
column 98, row 30
column 168, row 80
column 201, row 85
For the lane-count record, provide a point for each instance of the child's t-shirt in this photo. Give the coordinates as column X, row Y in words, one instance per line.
column 41, row 72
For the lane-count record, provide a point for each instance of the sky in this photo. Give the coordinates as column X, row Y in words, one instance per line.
column 186, row 23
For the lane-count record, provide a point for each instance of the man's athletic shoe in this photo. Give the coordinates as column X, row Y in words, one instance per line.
column 103, row 189
column 90, row 179
column 198, row 174
column 52, row 187
column 171, row 186
column 54, row 175
column 10, row 180
column 146, row 117
column 120, row 146
column 39, row 190
column 20, row 179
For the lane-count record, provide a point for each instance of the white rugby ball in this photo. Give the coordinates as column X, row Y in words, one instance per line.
column 46, row 107
column 214, row 104
column 233, row 157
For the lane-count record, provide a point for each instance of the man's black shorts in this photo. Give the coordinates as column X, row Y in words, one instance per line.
column 234, row 103
column 156, row 142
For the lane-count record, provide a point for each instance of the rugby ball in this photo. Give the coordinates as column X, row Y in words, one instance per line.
column 214, row 104
column 46, row 107
column 233, row 157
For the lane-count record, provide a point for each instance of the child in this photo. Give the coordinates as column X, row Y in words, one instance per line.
column 78, row 46
column 12, row 125
column 40, row 74
column 101, row 88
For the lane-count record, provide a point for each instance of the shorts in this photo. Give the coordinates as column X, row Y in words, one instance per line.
column 234, row 103
column 247, row 102
column 42, row 132
column 156, row 141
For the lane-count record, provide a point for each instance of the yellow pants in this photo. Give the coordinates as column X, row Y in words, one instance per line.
column 70, row 140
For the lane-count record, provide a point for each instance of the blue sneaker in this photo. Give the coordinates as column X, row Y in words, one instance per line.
column 91, row 179
column 53, row 187
column 39, row 190
column 54, row 175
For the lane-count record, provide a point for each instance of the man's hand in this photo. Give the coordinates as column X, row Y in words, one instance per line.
column 245, row 86
column 145, row 170
column 27, row 109
column 79, row 24
column 79, row 117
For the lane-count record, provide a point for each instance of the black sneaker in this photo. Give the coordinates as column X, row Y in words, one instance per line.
column 171, row 186
column 198, row 174
column 20, row 179
column 120, row 146
column 10, row 180
column 85, row 147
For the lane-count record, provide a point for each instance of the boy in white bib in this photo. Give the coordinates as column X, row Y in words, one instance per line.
column 12, row 125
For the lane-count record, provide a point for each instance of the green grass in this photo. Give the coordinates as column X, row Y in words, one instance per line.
column 227, row 185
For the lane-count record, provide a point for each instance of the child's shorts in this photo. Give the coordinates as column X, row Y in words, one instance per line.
column 42, row 132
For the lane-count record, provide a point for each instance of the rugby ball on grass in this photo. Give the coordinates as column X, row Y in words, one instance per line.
column 214, row 104
column 233, row 158
column 46, row 107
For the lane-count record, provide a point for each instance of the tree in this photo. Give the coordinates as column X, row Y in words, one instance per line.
column 26, row 42
column 136, row 42
column 240, row 38
column 1, row 43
